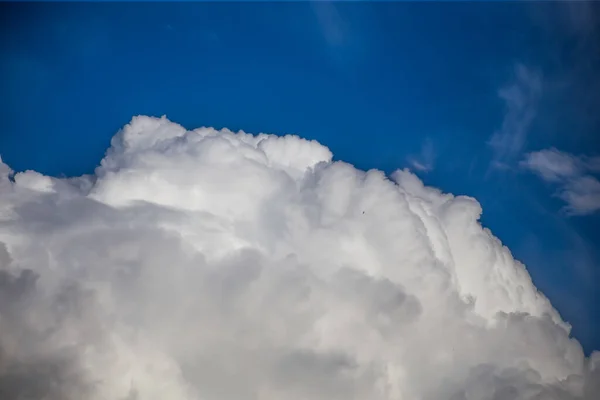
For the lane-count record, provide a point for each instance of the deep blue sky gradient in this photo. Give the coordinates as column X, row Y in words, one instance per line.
column 373, row 82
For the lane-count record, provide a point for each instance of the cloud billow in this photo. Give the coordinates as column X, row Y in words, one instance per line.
column 209, row 264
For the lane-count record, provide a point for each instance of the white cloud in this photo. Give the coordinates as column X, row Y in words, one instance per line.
column 582, row 195
column 425, row 160
column 553, row 165
column 573, row 174
column 520, row 97
column 216, row 265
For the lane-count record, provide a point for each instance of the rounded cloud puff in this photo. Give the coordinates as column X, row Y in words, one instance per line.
column 217, row 265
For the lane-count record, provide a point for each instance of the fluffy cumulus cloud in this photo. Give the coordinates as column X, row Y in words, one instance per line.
column 214, row 265
column 578, row 187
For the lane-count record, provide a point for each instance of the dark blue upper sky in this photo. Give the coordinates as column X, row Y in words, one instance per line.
column 384, row 85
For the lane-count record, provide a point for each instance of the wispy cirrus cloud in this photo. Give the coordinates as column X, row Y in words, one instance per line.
column 520, row 96
column 574, row 174
column 425, row 160
column 330, row 22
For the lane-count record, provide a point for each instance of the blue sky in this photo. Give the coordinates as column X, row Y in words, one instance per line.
column 383, row 85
